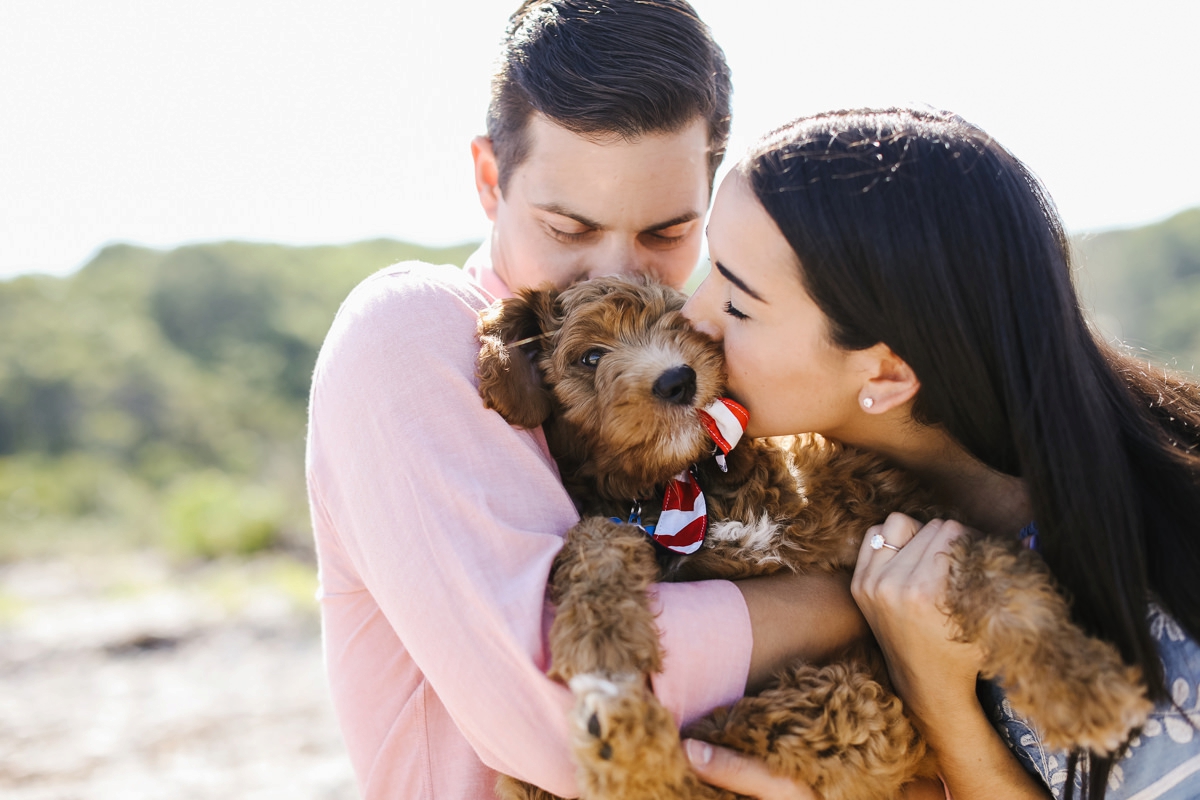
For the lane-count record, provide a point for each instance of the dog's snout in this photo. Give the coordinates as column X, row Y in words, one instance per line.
column 676, row 385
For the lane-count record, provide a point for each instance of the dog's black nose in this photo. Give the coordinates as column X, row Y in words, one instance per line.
column 676, row 385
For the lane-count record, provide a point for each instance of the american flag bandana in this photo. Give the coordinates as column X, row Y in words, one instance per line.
column 725, row 421
column 684, row 519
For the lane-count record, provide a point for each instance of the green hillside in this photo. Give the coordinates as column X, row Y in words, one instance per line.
column 160, row 396
column 1143, row 286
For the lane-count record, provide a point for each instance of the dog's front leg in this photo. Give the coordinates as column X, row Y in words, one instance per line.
column 509, row 788
column 627, row 746
column 604, row 643
column 603, row 623
column 1075, row 689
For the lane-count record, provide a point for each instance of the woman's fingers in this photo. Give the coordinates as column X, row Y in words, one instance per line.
column 882, row 544
column 742, row 774
column 901, row 596
column 910, row 573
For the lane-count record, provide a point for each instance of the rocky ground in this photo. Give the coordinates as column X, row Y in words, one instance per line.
column 128, row 676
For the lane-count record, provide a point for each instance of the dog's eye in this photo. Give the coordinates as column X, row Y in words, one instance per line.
column 592, row 357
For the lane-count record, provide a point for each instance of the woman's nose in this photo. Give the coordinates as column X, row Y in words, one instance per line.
column 698, row 312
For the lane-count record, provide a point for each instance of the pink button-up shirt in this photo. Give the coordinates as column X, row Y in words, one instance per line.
column 436, row 524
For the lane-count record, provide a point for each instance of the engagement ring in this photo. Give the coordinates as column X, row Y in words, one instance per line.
column 877, row 543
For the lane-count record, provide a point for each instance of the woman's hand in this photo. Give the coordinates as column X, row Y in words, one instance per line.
column 900, row 592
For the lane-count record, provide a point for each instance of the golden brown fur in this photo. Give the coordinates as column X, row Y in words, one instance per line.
column 583, row 363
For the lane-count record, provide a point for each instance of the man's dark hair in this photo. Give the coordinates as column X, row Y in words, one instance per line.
column 597, row 67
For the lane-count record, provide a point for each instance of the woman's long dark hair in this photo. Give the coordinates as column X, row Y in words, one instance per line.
column 918, row 230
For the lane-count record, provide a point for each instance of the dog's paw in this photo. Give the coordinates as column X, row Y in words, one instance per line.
column 1128, row 709
column 1075, row 690
column 509, row 788
column 1096, row 707
column 625, row 743
column 596, row 703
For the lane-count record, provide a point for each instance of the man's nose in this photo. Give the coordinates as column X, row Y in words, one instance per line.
column 619, row 256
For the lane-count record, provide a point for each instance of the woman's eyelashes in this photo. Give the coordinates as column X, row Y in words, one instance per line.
column 733, row 312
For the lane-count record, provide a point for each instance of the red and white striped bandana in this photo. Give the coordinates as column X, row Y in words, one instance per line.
column 725, row 421
column 684, row 519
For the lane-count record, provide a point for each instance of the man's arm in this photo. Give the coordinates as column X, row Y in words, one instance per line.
column 798, row 617
column 450, row 519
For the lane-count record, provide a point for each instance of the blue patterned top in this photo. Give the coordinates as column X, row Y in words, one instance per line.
column 1163, row 760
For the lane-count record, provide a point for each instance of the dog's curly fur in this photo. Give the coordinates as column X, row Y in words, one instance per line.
column 583, row 363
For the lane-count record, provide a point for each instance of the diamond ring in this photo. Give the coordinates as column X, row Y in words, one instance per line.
column 878, row 543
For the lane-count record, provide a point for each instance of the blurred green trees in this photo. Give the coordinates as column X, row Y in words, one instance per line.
column 160, row 397
column 1144, row 287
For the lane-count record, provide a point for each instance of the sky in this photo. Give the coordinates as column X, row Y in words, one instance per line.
column 315, row 122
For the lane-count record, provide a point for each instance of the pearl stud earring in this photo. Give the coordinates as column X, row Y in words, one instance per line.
column 868, row 402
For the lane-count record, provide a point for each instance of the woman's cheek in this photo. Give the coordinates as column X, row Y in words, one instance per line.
column 751, row 393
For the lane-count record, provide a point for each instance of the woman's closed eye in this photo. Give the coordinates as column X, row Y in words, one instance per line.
column 733, row 312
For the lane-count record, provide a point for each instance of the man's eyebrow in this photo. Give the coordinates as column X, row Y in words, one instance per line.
column 738, row 282
column 563, row 211
column 671, row 223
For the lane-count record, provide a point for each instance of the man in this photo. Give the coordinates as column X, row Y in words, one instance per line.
column 435, row 522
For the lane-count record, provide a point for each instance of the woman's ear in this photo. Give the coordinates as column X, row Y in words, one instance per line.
column 891, row 382
column 487, row 175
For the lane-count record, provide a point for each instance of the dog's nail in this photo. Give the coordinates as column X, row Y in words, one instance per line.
column 594, row 726
column 698, row 752
column 589, row 682
column 606, row 751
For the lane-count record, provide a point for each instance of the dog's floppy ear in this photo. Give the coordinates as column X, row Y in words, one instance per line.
column 512, row 333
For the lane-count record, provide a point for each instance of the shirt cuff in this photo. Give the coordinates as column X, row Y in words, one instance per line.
column 704, row 630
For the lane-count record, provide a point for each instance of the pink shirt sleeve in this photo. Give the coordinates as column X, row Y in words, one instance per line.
column 436, row 524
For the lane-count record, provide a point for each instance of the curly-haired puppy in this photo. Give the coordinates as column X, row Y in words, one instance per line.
column 616, row 377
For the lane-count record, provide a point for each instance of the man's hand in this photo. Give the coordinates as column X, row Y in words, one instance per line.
column 742, row 774
column 749, row 776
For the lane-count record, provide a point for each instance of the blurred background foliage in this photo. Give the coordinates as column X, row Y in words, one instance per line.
column 1144, row 287
column 158, row 398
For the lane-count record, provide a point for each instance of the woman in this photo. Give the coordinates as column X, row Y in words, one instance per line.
column 898, row 281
